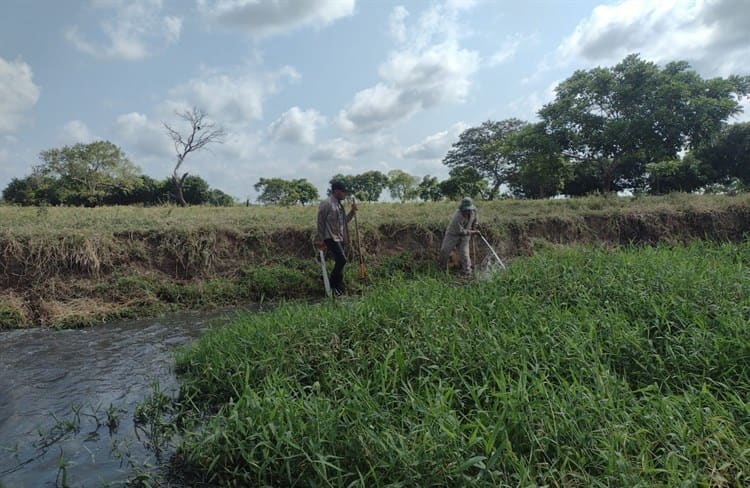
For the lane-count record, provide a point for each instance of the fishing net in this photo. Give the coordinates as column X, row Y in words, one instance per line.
column 491, row 264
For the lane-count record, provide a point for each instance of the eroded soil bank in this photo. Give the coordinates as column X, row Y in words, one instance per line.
column 76, row 279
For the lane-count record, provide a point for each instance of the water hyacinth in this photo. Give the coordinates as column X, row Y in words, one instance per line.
column 575, row 367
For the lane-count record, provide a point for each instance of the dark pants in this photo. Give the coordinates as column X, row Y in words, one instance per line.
column 337, row 275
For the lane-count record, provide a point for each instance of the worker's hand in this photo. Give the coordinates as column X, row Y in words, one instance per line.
column 321, row 245
column 473, row 231
column 354, row 207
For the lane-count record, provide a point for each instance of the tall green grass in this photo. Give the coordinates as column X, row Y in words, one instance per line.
column 576, row 367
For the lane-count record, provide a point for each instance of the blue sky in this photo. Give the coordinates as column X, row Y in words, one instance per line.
column 311, row 88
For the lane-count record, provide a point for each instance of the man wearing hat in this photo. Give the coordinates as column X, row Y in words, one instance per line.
column 333, row 232
column 458, row 234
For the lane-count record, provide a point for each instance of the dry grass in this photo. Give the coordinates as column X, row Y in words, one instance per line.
column 48, row 221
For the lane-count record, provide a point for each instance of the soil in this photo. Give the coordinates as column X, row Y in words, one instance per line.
column 83, row 282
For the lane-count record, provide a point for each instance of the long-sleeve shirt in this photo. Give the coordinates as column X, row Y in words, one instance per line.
column 460, row 225
column 332, row 220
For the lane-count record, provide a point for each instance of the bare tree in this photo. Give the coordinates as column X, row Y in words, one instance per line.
column 201, row 133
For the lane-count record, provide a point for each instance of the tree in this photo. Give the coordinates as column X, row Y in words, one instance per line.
column 199, row 134
column 464, row 181
column 685, row 175
column 728, row 155
column 35, row 189
column 366, row 186
column 479, row 148
column 538, row 169
column 617, row 120
column 218, row 198
column 402, row 185
column 87, row 173
column 429, row 189
column 277, row 191
column 195, row 190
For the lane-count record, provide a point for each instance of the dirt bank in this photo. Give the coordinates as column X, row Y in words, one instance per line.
column 75, row 279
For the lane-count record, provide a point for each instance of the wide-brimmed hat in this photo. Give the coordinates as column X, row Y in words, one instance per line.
column 338, row 185
column 466, row 204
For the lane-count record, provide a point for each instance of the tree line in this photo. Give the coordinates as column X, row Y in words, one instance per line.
column 634, row 126
column 98, row 174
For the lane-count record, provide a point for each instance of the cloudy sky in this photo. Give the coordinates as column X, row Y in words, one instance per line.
column 311, row 88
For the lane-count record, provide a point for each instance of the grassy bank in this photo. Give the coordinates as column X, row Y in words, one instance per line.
column 576, row 367
column 71, row 267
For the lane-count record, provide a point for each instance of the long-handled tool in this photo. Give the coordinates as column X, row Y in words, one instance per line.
column 493, row 250
column 362, row 274
column 326, row 283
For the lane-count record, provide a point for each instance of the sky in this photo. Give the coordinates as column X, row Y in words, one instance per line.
column 312, row 88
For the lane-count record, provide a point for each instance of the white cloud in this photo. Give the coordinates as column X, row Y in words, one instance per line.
column 436, row 145
column 428, row 70
column 396, row 23
column 527, row 107
column 132, row 32
column 712, row 34
column 18, row 93
column 336, row 150
column 267, row 18
column 296, row 126
column 231, row 97
column 144, row 138
column 74, row 132
column 507, row 50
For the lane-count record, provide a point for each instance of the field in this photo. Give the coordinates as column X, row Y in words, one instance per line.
column 75, row 267
column 612, row 352
column 579, row 366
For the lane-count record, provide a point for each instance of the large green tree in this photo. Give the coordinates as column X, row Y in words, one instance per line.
column 685, row 175
column 402, row 185
column 479, row 148
column 464, row 181
column 617, row 120
column 728, row 155
column 538, row 169
column 429, row 189
column 365, row 186
column 278, row 191
column 87, row 173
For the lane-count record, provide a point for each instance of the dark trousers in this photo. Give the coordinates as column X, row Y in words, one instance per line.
column 337, row 275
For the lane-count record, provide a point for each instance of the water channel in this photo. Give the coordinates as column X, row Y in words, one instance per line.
column 60, row 389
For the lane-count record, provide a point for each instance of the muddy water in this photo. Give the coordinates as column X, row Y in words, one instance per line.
column 60, row 389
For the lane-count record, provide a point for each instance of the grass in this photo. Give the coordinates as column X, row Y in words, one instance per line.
column 72, row 267
column 576, row 367
column 34, row 221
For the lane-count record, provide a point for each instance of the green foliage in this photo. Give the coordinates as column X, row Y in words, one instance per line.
column 277, row 191
column 366, row 186
column 88, row 171
column 402, row 185
column 481, row 149
column 218, row 198
column 685, row 175
column 429, row 189
column 538, row 168
column 11, row 317
column 99, row 174
column 624, row 368
column 728, row 155
column 464, row 181
column 616, row 120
